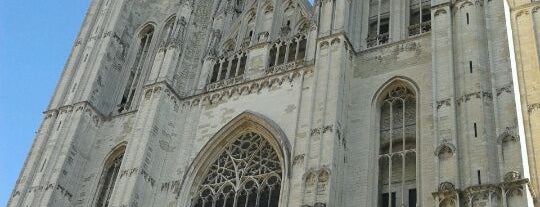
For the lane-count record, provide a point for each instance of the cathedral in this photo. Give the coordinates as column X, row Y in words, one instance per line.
column 293, row 103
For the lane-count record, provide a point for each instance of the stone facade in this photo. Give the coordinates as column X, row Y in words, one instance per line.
column 525, row 18
column 341, row 103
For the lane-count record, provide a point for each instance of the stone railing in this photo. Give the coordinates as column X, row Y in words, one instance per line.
column 417, row 29
column 225, row 83
column 284, row 67
column 378, row 40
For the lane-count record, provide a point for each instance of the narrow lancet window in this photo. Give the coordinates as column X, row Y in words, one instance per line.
column 108, row 177
column 136, row 73
column 397, row 156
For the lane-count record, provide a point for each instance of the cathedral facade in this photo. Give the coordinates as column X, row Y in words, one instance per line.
column 275, row 103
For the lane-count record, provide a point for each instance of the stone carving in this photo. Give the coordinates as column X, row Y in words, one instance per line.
column 512, row 176
column 447, row 187
column 509, row 135
column 322, row 130
column 477, row 95
column 248, row 164
column 533, row 107
column 445, row 102
column 298, row 159
column 505, row 89
column 445, row 150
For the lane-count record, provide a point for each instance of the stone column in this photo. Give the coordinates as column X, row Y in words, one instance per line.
column 444, row 94
column 477, row 146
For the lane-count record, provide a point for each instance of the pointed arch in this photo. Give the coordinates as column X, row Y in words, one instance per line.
column 109, row 174
column 395, row 131
column 245, row 123
column 167, row 32
column 396, row 80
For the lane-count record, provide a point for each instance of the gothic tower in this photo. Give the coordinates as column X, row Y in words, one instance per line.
column 286, row 103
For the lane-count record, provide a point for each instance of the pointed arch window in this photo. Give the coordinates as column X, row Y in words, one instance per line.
column 168, row 32
column 108, row 177
column 136, row 73
column 397, row 152
column 246, row 173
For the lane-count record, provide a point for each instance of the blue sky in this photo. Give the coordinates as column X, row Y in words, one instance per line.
column 35, row 41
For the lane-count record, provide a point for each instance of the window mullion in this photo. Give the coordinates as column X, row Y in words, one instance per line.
column 390, row 151
column 403, row 153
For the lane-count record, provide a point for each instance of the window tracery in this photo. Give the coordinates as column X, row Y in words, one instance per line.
column 397, row 155
column 229, row 68
column 288, row 51
column 247, row 173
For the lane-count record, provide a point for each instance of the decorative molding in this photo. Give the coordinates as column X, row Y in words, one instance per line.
column 508, row 135
column 225, row 83
column 512, row 176
column 159, row 88
column 445, row 150
column 481, row 192
column 439, row 11
column 477, row 95
column 533, row 107
column 504, row 89
column 298, row 159
column 137, row 171
column 247, row 87
column 50, row 186
column 85, row 106
column 171, row 186
column 446, row 192
column 445, row 102
column 322, row 130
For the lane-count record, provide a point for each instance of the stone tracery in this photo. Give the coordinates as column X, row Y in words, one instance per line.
column 397, row 156
column 247, row 173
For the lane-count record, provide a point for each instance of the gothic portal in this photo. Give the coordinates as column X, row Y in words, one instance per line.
column 288, row 103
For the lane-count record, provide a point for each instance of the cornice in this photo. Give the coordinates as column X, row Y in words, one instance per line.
column 84, row 106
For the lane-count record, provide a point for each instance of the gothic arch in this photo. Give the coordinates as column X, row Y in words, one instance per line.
column 392, row 81
column 144, row 27
column 245, row 122
column 396, row 144
column 110, row 171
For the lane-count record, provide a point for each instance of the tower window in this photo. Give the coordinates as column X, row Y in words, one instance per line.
column 470, row 67
column 379, row 23
column 420, row 17
column 137, row 71
column 397, row 150
column 108, row 177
